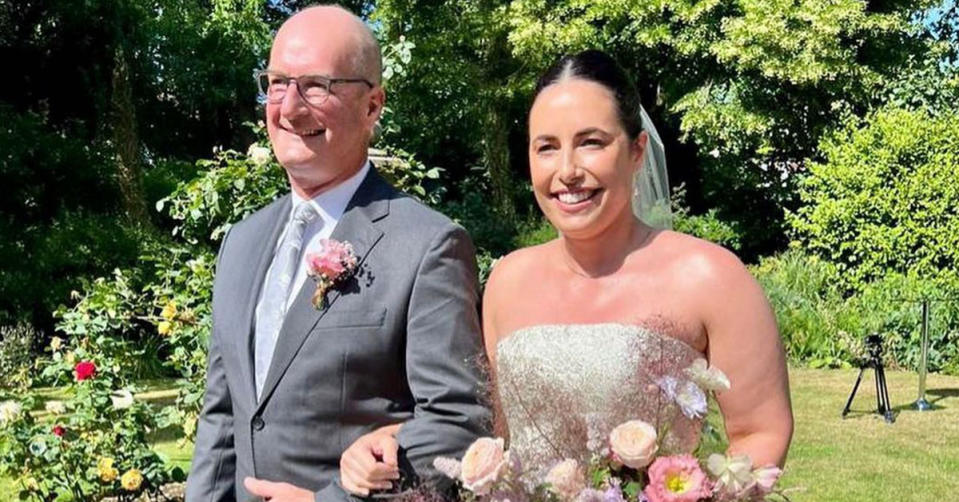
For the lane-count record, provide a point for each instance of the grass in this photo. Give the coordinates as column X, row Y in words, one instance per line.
column 859, row 458
column 862, row 457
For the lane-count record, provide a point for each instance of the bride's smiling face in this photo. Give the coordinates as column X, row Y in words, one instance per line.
column 581, row 159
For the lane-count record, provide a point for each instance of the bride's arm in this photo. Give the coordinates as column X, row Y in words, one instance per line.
column 744, row 342
column 493, row 301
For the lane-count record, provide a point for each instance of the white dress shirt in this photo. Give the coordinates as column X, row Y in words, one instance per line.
column 330, row 206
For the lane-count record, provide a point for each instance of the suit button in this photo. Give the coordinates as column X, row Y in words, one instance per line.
column 258, row 424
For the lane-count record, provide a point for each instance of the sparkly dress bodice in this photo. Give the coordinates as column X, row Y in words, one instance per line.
column 563, row 388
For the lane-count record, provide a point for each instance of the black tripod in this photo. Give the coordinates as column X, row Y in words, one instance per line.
column 874, row 345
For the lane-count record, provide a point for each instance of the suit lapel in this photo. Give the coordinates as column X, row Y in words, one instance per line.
column 369, row 204
column 256, row 265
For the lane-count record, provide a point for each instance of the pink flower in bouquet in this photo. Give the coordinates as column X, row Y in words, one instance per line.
column 482, row 465
column 766, row 478
column 567, row 479
column 633, row 443
column 333, row 258
column 331, row 264
column 676, row 478
column 84, row 370
column 325, row 265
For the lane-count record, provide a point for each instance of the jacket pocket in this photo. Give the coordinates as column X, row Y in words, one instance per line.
column 339, row 319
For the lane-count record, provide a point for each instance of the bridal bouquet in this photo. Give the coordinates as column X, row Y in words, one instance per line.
column 628, row 467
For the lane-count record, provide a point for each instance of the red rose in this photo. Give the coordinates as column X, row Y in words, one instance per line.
column 58, row 430
column 84, row 370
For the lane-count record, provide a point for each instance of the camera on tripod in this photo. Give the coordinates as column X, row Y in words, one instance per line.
column 874, row 347
column 874, row 361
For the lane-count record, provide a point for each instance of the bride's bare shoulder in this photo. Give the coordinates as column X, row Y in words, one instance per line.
column 699, row 260
column 514, row 268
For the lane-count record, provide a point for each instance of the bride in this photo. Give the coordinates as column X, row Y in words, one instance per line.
column 579, row 329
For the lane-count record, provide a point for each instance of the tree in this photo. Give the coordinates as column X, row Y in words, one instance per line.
column 883, row 199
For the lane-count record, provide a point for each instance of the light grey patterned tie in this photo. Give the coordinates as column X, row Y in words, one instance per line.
column 276, row 290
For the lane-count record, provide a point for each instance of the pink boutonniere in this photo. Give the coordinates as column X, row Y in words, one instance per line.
column 333, row 263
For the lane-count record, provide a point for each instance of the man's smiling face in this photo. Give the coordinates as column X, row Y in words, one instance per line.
column 321, row 145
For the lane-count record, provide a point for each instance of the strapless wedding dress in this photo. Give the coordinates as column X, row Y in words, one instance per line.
column 563, row 388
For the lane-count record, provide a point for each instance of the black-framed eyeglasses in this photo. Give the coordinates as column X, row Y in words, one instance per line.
column 314, row 89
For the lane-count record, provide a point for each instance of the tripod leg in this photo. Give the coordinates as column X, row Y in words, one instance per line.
column 887, row 408
column 855, row 387
column 880, row 404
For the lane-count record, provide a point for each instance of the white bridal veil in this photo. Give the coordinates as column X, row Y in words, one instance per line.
column 651, row 202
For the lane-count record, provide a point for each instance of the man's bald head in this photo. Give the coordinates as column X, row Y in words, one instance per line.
column 325, row 27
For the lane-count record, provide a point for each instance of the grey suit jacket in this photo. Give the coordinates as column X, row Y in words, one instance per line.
column 398, row 342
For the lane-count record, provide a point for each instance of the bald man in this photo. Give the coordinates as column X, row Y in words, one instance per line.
column 396, row 340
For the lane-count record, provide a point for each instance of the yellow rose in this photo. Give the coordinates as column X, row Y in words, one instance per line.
column 70, row 358
column 189, row 426
column 169, row 311
column 55, row 343
column 164, row 327
column 105, row 469
column 131, row 480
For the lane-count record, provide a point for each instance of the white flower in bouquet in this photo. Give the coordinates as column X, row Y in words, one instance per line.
column 706, row 377
column 633, row 443
column 567, row 479
column 482, row 465
column 733, row 473
column 55, row 407
column 122, row 399
column 10, row 411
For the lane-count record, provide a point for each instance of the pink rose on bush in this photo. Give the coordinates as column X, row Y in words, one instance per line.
column 633, row 443
column 59, row 430
column 482, row 465
column 84, row 370
column 676, row 478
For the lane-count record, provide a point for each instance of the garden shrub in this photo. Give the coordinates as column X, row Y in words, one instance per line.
column 807, row 306
column 16, row 355
column 883, row 199
column 823, row 328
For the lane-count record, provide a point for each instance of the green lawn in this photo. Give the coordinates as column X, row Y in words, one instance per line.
column 860, row 458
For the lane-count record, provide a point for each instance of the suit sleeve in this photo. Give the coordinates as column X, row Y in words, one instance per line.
column 444, row 356
column 212, row 473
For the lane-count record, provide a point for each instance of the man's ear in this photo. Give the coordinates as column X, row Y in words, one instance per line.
column 375, row 104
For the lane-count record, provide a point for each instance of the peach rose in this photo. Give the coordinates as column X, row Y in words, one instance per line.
column 567, row 479
column 482, row 465
column 634, row 443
